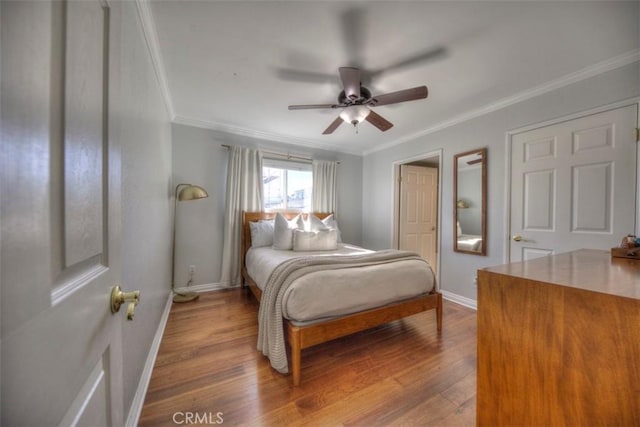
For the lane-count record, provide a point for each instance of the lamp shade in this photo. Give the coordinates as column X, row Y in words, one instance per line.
column 355, row 114
column 192, row 192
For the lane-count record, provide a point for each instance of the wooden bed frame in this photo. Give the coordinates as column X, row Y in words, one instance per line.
column 301, row 337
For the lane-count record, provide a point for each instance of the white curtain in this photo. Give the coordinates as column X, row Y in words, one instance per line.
column 324, row 198
column 244, row 193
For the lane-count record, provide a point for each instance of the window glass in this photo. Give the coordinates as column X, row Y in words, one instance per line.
column 287, row 185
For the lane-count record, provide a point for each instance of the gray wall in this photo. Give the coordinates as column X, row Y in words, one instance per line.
column 458, row 270
column 198, row 158
column 144, row 132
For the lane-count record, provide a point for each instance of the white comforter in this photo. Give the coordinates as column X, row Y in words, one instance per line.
column 270, row 329
column 330, row 293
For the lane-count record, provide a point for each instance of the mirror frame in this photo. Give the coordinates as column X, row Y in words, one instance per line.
column 483, row 249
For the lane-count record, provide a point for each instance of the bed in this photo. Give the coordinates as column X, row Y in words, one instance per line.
column 470, row 242
column 307, row 327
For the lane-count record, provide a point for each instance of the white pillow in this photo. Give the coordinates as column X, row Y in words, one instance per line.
column 283, row 231
column 261, row 233
column 323, row 240
column 330, row 222
column 313, row 223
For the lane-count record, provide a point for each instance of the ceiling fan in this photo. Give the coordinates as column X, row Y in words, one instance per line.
column 356, row 99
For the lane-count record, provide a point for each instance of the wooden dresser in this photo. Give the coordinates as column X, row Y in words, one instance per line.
column 559, row 341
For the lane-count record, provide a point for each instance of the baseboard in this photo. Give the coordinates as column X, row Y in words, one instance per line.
column 205, row 287
column 459, row 299
column 143, row 384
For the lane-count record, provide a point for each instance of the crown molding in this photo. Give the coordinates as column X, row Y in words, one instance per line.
column 256, row 134
column 151, row 40
column 152, row 43
column 588, row 72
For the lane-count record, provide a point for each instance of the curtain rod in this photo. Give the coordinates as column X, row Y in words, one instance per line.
column 275, row 153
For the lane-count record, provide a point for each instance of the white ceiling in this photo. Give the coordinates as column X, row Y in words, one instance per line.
column 236, row 65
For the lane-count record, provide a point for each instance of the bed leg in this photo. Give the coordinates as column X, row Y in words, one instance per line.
column 296, row 353
column 439, row 313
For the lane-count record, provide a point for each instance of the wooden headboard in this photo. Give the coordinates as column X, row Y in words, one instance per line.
column 248, row 217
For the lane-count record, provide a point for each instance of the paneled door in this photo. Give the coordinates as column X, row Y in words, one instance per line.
column 419, row 211
column 61, row 345
column 573, row 184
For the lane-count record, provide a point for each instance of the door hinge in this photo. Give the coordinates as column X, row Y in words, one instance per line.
column 636, row 133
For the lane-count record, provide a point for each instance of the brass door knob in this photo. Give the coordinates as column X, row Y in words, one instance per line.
column 517, row 238
column 118, row 298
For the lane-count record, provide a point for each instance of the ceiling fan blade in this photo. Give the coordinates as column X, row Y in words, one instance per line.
column 419, row 92
column 425, row 56
column 420, row 57
column 333, row 126
column 313, row 106
column 352, row 24
column 304, row 76
column 351, row 82
column 378, row 121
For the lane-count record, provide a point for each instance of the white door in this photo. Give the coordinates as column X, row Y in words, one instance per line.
column 61, row 345
column 573, row 185
column 419, row 211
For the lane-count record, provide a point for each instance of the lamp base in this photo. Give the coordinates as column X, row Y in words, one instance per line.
column 185, row 296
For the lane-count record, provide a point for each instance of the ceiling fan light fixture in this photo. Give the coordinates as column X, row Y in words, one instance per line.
column 356, row 99
column 354, row 114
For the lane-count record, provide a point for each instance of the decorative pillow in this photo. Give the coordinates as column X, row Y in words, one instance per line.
column 330, row 222
column 261, row 233
column 313, row 223
column 283, row 231
column 323, row 240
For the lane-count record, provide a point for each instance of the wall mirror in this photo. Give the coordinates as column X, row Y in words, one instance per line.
column 470, row 202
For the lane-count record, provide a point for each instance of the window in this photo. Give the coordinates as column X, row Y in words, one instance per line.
column 287, row 185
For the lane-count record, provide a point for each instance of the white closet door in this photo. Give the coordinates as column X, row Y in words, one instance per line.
column 573, row 184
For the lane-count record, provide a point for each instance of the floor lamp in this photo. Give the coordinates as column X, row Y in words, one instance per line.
column 189, row 192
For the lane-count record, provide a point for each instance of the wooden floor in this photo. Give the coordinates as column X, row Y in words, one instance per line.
column 401, row 373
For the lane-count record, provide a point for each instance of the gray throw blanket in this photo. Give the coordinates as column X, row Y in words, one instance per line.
column 270, row 326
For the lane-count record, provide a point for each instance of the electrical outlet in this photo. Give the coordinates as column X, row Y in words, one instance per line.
column 192, row 271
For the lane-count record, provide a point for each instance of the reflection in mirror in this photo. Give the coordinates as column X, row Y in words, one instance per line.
column 470, row 202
